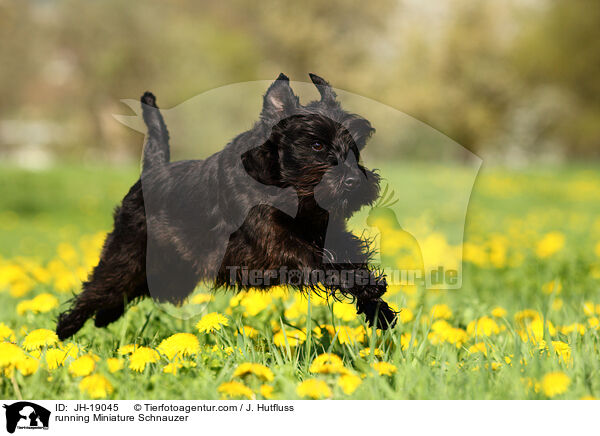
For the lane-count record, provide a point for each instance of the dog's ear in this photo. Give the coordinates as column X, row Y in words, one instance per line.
column 262, row 163
column 328, row 95
column 360, row 129
column 279, row 100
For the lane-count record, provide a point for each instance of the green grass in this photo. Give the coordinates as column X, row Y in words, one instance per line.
column 39, row 210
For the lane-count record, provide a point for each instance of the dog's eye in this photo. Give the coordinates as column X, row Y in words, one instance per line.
column 317, row 146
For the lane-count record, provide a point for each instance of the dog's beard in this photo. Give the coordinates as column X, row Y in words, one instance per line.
column 333, row 196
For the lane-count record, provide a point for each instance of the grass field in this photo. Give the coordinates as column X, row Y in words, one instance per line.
column 525, row 324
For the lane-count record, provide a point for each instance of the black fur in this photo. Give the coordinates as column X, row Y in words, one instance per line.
column 170, row 228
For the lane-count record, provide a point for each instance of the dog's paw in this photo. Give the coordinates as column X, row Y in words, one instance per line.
column 374, row 291
column 379, row 310
column 68, row 324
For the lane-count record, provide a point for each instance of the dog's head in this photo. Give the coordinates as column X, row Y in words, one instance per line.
column 315, row 149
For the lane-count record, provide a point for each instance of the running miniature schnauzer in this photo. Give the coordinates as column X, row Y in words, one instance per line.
column 273, row 202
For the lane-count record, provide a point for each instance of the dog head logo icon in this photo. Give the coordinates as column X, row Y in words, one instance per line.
column 26, row 415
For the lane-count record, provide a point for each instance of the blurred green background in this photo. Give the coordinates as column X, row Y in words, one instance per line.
column 514, row 81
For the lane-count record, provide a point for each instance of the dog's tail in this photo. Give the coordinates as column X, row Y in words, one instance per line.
column 156, row 148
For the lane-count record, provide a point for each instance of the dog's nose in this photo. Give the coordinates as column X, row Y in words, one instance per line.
column 351, row 181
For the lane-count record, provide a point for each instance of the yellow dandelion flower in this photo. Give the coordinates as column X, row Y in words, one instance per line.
column 498, row 312
column 211, row 322
column 440, row 311
column 67, row 253
column 293, row 338
column 475, row 254
column 96, row 386
column 406, row 315
column 55, row 357
column 557, row 304
column 589, row 308
column 349, row 383
column 235, row 389
column 367, row 352
column 114, row 364
column 550, row 244
column 575, row 327
column 534, row 331
column 127, row 349
column 235, row 300
column 344, row 311
column 41, row 304
column 313, row 388
column 384, row 368
column 328, row 364
column 531, row 384
column 555, row 383
column 255, row 302
column 317, row 332
column 562, row 350
column 21, row 287
column 525, row 316
column 484, row 326
column 142, row 356
column 346, row 334
column 479, row 347
column 65, row 280
column 70, row 348
column 554, row 286
column 39, row 338
column 266, row 391
column 442, row 331
column 230, row 350
column 201, row 298
column 10, row 354
column 6, row 333
column 298, row 308
column 37, row 354
column 227, row 350
column 257, row 369
column 248, row 331
column 172, row 367
column 83, row 365
column 179, row 345
column 27, row 365
column 405, row 341
column 281, row 292
column 594, row 322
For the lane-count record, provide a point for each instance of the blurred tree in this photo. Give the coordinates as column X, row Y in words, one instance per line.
column 559, row 46
column 491, row 75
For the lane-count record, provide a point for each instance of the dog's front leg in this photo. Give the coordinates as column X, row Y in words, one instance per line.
column 350, row 256
column 367, row 287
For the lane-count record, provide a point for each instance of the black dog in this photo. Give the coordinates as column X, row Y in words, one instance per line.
column 274, row 202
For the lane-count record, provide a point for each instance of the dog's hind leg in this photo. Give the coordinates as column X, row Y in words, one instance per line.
column 108, row 315
column 112, row 285
column 120, row 276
